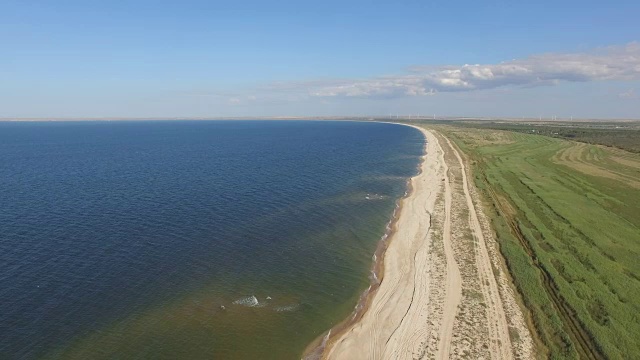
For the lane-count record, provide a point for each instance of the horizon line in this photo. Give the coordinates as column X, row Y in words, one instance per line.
column 312, row 117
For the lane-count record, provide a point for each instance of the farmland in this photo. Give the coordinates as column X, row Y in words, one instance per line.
column 622, row 135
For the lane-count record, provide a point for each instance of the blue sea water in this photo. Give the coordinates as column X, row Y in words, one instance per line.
column 190, row 239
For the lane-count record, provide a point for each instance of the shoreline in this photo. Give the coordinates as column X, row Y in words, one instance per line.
column 442, row 290
column 318, row 347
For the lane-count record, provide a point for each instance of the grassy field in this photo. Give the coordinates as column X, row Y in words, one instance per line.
column 567, row 218
column 624, row 136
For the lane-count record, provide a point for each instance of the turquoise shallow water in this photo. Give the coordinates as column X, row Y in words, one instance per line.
column 190, row 239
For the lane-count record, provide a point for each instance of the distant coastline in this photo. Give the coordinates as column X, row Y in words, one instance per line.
column 393, row 118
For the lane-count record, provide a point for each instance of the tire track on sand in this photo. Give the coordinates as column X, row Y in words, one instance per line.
column 453, row 278
column 496, row 318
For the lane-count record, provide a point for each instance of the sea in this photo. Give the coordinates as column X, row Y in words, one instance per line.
column 190, row 239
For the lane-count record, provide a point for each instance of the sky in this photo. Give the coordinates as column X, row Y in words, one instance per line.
column 196, row 58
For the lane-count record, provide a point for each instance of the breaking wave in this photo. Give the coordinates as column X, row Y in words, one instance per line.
column 250, row 301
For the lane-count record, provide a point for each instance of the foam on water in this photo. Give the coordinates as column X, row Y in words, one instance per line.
column 374, row 277
column 250, row 301
column 287, row 308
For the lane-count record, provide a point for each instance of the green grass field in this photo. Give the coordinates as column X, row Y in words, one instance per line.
column 567, row 218
column 624, row 135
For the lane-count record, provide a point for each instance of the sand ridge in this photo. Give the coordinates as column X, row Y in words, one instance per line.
column 441, row 295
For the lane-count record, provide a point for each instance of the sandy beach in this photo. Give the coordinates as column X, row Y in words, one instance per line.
column 443, row 292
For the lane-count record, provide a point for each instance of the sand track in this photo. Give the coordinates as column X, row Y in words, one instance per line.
column 500, row 345
column 453, row 279
column 440, row 297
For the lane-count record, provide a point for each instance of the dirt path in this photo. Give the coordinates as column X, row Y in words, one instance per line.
column 453, row 278
column 500, row 345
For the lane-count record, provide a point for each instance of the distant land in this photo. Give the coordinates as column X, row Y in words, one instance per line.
column 359, row 118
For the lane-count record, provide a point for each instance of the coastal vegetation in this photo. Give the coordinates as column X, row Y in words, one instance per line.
column 622, row 135
column 566, row 215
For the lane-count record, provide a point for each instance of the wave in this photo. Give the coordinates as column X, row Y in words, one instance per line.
column 373, row 277
column 250, row 301
column 375, row 197
column 287, row 308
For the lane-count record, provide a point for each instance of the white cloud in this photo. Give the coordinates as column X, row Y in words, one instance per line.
column 611, row 63
column 629, row 94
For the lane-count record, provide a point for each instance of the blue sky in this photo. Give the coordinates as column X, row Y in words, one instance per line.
column 209, row 58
